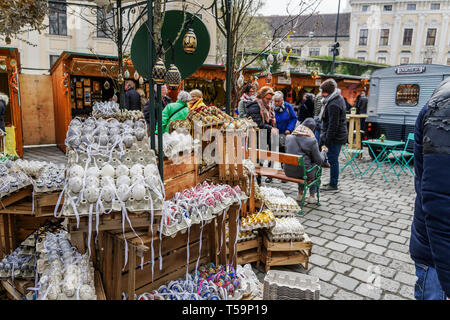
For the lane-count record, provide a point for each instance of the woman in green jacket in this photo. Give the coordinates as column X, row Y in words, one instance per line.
column 176, row 111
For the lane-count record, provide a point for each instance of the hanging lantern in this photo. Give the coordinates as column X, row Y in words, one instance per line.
column 8, row 40
column 173, row 77
column 106, row 85
column 190, row 42
column 240, row 81
column 269, row 77
column 141, row 81
column 159, row 71
column 126, row 74
column 136, row 76
column 279, row 57
column 120, row 79
column 270, row 59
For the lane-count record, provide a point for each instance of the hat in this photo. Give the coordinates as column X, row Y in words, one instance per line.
column 310, row 123
column 328, row 86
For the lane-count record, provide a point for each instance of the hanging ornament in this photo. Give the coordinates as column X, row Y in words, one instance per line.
column 288, row 48
column 159, row 71
column 126, row 74
column 264, row 63
column 106, row 85
column 270, row 59
column 173, row 77
column 141, row 80
column 120, row 79
column 287, row 74
column 8, row 40
column 190, row 42
column 240, row 81
column 136, row 76
column 269, row 77
column 279, row 57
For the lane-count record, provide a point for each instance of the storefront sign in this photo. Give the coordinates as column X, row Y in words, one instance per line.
column 410, row 70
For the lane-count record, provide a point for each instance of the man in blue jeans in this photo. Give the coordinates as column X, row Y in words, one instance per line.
column 334, row 128
column 430, row 231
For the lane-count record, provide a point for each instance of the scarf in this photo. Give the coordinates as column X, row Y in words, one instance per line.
column 325, row 102
column 246, row 98
column 280, row 108
column 302, row 130
column 265, row 111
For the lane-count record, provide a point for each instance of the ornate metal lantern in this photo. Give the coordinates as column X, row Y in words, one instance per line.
column 159, row 72
column 190, row 42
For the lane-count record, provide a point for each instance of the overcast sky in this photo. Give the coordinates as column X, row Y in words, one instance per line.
column 278, row 7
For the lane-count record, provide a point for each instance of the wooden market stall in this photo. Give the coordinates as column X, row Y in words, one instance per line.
column 9, row 85
column 80, row 79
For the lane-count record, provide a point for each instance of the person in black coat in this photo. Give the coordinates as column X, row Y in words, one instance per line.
column 306, row 109
column 361, row 108
column 4, row 99
column 132, row 98
column 334, row 128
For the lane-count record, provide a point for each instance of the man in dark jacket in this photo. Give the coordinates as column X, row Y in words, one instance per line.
column 132, row 98
column 334, row 128
column 361, row 108
column 430, row 231
column 306, row 109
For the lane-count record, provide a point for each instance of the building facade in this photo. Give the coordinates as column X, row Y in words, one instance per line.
column 400, row 31
column 77, row 29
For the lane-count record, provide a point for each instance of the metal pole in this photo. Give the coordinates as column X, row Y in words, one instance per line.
column 160, row 133
column 151, row 92
column 335, row 37
column 120, row 54
column 229, row 74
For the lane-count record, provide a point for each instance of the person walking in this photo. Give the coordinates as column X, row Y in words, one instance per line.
column 263, row 115
column 429, row 245
column 132, row 98
column 306, row 109
column 302, row 142
column 176, row 111
column 247, row 97
column 334, row 130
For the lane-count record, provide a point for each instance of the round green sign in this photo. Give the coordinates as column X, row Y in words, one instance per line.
column 186, row 63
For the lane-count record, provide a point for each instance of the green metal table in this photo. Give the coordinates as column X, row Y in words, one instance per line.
column 387, row 146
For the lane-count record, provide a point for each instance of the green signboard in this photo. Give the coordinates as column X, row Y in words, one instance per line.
column 186, row 63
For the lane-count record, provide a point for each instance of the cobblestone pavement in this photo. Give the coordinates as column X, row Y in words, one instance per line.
column 360, row 236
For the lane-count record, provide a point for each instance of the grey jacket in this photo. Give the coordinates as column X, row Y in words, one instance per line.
column 309, row 149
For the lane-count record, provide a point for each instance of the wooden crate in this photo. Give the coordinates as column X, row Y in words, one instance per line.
column 249, row 251
column 21, row 203
column 180, row 176
column 286, row 253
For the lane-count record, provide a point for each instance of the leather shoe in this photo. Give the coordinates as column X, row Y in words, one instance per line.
column 329, row 187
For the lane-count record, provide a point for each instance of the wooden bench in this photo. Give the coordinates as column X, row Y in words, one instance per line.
column 258, row 155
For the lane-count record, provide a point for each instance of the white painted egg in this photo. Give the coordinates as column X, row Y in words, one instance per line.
column 108, row 170
column 150, row 170
column 76, row 171
column 138, row 192
column 123, row 192
column 136, row 170
column 75, row 184
column 123, row 180
column 93, row 172
column 92, row 181
column 108, row 193
column 122, row 170
column 107, row 181
column 91, row 194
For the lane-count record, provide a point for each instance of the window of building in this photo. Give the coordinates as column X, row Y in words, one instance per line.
column 387, row 7
column 411, row 6
column 105, row 23
column 407, row 37
column 362, row 58
column 427, row 60
column 431, row 37
column 435, row 6
column 381, row 60
column 363, row 34
column 448, row 61
column 404, row 60
column 365, row 8
column 297, row 51
column 53, row 58
column 314, row 52
column 57, row 17
column 384, row 37
column 407, row 95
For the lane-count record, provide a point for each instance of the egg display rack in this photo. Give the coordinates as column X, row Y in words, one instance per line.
column 276, row 201
column 11, row 181
column 286, row 285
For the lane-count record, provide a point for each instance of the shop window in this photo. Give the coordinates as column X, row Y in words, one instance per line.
column 407, row 95
column 365, row 8
column 435, row 6
column 407, row 37
column 404, row 60
column 384, row 37
column 57, row 17
column 105, row 23
column 53, row 58
column 431, row 36
column 363, row 34
column 314, row 52
column 387, row 7
column 428, row 60
column 411, row 6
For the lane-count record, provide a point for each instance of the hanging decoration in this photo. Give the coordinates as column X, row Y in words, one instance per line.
column 120, row 79
column 106, row 85
column 136, row 76
column 159, row 71
column 315, row 74
column 126, row 74
column 13, row 80
column 240, row 81
column 173, row 77
column 269, row 77
column 190, row 42
column 141, row 81
column 270, row 59
column 7, row 40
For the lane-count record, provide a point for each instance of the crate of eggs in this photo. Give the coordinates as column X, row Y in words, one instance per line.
column 262, row 220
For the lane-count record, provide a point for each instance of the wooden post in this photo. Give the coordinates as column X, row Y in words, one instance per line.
column 222, row 256
column 232, row 230
column 131, row 271
column 7, row 233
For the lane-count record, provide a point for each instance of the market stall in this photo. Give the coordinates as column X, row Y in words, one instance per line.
column 9, row 85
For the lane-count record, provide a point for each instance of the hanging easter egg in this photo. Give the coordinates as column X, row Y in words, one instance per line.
column 269, row 77
column 190, row 42
column 126, row 74
column 141, row 81
column 106, row 85
column 270, row 59
column 120, row 79
column 159, row 71
column 173, row 77
column 240, row 81
column 136, row 76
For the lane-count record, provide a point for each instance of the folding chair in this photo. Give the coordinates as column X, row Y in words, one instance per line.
column 399, row 155
column 351, row 155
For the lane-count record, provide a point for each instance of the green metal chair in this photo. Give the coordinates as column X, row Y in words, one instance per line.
column 400, row 155
column 351, row 155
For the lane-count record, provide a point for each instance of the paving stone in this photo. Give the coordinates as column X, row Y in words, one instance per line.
column 357, row 222
column 343, row 225
column 398, row 255
column 364, row 237
column 344, row 232
column 405, row 233
column 371, row 225
column 328, row 228
column 369, row 291
column 338, row 267
column 318, row 260
column 312, row 217
column 366, row 218
column 407, row 291
column 359, row 263
column 344, row 282
column 389, row 296
column 321, row 250
column 344, row 295
column 396, row 238
column 318, row 241
column 406, row 278
column 361, row 275
column 390, row 230
column 327, row 221
column 350, row 242
column 378, row 259
column 312, row 224
column 399, row 247
column 381, row 242
column 353, row 215
column 340, row 218
column 374, row 248
column 357, row 252
column 328, row 235
column 327, row 289
column 341, row 257
column 389, row 285
column 336, row 246
column 324, row 275
column 377, row 233
column 360, row 229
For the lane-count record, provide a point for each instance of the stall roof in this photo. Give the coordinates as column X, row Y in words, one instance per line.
column 66, row 54
column 336, row 75
column 11, row 52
